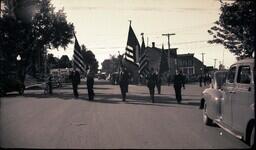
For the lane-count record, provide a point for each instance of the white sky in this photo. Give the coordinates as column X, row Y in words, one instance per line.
column 102, row 26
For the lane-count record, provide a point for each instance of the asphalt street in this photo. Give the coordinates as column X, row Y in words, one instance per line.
column 35, row 120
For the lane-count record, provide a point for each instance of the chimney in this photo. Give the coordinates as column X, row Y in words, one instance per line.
column 153, row 44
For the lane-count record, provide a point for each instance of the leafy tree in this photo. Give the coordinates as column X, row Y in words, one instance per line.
column 89, row 58
column 51, row 28
column 53, row 62
column 235, row 28
column 64, row 62
column 47, row 30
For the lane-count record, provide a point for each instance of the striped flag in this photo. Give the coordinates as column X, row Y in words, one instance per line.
column 78, row 57
column 143, row 61
column 133, row 47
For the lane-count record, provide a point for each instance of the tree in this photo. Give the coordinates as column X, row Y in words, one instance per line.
column 31, row 39
column 235, row 28
column 64, row 62
column 50, row 29
column 89, row 58
column 52, row 62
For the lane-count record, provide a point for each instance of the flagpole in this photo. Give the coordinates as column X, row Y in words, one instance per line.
column 130, row 21
column 73, row 63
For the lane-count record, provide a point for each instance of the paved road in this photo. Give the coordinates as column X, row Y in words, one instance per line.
column 60, row 121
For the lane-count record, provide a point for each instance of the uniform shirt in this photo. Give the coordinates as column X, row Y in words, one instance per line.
column 179, row 81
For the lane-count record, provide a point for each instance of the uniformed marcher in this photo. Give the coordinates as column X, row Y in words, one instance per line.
column 124, row 82
column 178, row 83
column 75, row 78
column 151, row 83
column 90, row 83
column 158, row 83
column 200, row 80
column 50, row 84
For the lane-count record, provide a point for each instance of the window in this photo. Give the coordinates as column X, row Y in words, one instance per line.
column 179, row 62
column 231, row 75
column 191, row 70
column 244, row 75
column 185, row 70
column 190, row 62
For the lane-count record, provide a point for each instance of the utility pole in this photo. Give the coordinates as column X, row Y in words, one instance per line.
column 169, row 49
column 215, row 62
column 0, row 8
column 147, row 41
column 130, row 21
column 203, row 57
column 203, row 62
column 223, row 57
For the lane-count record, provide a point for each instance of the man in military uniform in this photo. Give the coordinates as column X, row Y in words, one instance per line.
column 124, row 82
column 50, row 84
column 151, row 77
column 158, row 83
column 75, row 78
column 178, row 83
column 90, row 83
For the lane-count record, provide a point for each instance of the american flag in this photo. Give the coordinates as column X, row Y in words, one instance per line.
column 143, row 61
column 78, row 57
column 133, row 47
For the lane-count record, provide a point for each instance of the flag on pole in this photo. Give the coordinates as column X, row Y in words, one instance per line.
column 132, row 48
column 143, row 61
column 78, row 57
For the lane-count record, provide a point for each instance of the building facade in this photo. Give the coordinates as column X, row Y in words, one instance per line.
column 187, row 63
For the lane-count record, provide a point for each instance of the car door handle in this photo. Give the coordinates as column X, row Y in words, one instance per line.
column 249, row 89
column 233, row 92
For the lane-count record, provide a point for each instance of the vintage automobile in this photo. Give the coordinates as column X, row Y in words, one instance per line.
column 102, row 76
column 10, row 85
column 229, row 102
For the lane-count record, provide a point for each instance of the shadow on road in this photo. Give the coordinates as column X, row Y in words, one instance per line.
column 160, row 100
column 95, row 88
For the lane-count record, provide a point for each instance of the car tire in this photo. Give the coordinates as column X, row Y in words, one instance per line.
column 206, row 119
column 250, row 140
column 2, row 93
column 21, row 90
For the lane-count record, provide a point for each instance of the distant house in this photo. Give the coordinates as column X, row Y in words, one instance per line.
column 190, row 65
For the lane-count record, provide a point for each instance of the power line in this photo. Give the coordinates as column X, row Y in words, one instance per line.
column 179, row 43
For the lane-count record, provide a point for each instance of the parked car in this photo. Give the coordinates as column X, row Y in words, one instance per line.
column 10, row 85
column 229, row 102
column 102, row 76
column 57, row 82
column 114, row 78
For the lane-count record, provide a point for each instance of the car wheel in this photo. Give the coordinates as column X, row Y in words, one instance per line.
column 2, row 92
column 206, row 119
column 21, row 90
column 251, row 140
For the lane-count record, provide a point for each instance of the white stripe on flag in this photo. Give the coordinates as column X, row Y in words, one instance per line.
column 129, row 47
